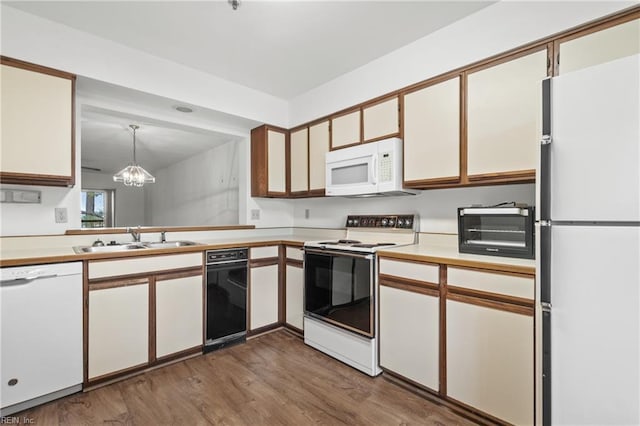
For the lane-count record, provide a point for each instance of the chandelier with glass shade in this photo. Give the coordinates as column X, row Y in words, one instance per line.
column 134, row 174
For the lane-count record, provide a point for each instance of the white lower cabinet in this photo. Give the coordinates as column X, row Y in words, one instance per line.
column 263, row 296
column 118, row 328
column 490, row 361
column 294, row 296
column 179, row 316
column 409, row 335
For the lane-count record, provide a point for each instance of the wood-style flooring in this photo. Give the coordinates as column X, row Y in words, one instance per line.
column 274, row 379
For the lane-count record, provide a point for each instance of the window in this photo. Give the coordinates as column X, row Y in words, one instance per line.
column 96, row 208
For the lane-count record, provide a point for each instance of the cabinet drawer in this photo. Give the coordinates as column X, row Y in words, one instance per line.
column 263, row 252
column 295, row 253
column 411, row 270
column 509, row 285
column 140, row 265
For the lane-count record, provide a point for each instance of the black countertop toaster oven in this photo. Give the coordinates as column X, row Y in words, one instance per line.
column 503, row 230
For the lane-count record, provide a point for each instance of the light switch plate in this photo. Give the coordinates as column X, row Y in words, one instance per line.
column 61, row 214
column 255, row 214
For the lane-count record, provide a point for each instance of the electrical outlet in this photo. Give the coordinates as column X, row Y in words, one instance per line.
column 306, row 213
column 255, row 214
column 61, row 214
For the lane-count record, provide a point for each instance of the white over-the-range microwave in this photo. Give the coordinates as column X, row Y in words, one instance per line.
column 366, row 170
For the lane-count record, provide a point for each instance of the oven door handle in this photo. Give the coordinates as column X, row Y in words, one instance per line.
column 339, row 253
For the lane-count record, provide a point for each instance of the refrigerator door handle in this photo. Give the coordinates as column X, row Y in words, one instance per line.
column 545, row 152
column 546, row 368
column 545, row 263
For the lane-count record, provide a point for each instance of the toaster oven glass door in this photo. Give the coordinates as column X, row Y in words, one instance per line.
column 497, row 234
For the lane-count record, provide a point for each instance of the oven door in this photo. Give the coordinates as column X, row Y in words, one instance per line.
column 338, row 289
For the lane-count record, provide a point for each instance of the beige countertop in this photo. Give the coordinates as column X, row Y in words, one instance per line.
column 41, row 252
column 448, row 254
column 39, row 255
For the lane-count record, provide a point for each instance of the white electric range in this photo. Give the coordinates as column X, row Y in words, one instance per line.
column 340, row 312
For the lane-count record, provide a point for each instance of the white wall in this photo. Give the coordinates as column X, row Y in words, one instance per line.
column 129, row 201
column 44, row 42
column 437, row 207
column 201, row 190
column 492, row 30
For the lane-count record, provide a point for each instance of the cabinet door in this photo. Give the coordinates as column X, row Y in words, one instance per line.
column 276, row 160
column 504, row 110
column 381, row 120
column 263, row 296
column 294, row 295
column 432, row 133
column 318, row 147
column 409, row 335
column 490, row 361
column 37, row 134
column 118, row 328
column 268, row 162
column 345, row 130
column 599, row 47
column 299, row 161
column 179, row 317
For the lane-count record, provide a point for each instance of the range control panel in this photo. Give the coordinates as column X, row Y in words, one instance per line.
column 405, row 221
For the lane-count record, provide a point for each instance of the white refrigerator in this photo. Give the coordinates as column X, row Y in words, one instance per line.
column 588, row 235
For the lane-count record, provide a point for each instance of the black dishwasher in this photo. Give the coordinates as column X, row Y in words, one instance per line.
column 226, row 298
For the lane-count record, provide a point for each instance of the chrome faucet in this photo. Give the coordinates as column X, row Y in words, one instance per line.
column 135, row 233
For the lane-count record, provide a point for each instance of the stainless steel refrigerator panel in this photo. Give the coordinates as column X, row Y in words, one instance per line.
column 595, row 328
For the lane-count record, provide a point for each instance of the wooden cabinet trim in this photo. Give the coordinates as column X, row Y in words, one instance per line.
column 414, row 286
column 502, row 298
column 191, row 272
column 17, row 63
column 491, row 304
column 435, row 181
column 481, row 414
column 495, row 271
column 115, row 375
column 106, row 283
column 145, row 275
column 443, row 331
column 151, row 339
column 377, row 101
column 267, row 261
column 599, row 25
column 196, row 350
column 294, row 262
column 520, row 175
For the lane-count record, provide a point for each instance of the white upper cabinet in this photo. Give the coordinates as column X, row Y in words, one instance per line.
column 504, row 110
column 599, row 47
column 345, row 129
column 268, row 162
column 381, row 119
column 318, row 147
column 276, row 154
column 37, row 125
column 299, row 162
column 432, row 133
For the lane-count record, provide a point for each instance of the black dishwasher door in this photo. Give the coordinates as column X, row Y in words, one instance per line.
column 226, row 304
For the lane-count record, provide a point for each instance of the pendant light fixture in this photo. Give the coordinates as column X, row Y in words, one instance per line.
column 134, row 174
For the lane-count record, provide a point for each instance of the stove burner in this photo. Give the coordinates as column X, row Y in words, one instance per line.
column 372, row 245
column 340, row 242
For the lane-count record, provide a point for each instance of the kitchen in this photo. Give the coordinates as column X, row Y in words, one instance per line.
column 282, row 219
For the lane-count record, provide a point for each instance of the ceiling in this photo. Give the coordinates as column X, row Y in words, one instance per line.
column 283, row 48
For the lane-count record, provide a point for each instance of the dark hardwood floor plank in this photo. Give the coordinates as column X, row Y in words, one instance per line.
column 273, row 379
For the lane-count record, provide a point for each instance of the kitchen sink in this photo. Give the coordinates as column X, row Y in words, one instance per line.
column 132, row 246
column 108, row 248
column 169, row 244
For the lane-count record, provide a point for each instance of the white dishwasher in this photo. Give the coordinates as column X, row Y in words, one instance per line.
column 41, row 334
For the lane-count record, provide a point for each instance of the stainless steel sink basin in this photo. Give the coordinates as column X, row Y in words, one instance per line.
column 169, row 244
column 108, row 249
column 132, row 246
